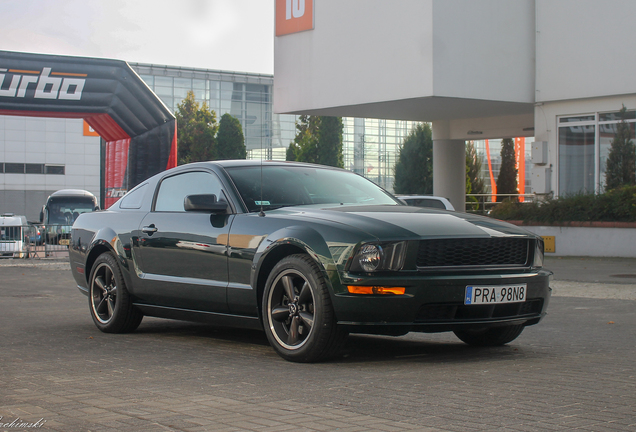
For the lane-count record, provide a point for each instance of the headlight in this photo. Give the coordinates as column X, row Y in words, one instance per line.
column 538, row 254
column 374, row 257
column 370, row 257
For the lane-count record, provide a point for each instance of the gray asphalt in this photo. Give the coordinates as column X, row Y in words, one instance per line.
column 593, row 270
column 573, row 371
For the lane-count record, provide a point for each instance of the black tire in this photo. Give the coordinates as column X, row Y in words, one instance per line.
column 298, row 316
column 494, row 336
column 108, row 299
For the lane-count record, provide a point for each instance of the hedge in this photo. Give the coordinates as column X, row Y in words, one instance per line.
column 618, row 205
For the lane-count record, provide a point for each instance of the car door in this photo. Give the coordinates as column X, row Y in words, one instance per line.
column 183, row 254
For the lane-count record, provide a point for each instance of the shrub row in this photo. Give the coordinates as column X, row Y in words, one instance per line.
column 618, row 205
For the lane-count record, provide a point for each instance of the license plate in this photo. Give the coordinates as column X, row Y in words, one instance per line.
column 495, row 294
column 65, row 242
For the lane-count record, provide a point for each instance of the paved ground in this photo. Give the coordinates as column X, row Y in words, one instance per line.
column 575, row 370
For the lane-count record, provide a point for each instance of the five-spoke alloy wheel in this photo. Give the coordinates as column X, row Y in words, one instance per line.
column 109, row 301
column 297, row 314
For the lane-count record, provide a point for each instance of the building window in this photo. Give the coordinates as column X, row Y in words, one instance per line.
column 54, row 169
column 35, row 168
column 21, row 168
column 584, row 144
column 576, row 159
column 14, row 168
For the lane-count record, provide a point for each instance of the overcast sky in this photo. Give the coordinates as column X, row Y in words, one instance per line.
column 235, row 35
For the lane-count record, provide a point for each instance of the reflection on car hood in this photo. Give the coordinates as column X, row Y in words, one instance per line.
column 409, row 222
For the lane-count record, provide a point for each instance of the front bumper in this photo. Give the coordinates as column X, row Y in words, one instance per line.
column 435, row 303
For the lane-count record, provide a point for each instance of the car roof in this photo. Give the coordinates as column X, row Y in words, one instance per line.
column 231, row 163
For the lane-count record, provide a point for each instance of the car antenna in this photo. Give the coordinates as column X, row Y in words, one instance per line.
column 261, row 213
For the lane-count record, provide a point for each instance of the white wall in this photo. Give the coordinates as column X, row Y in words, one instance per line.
column 597, row 242
column 414, row 59
column 360, row 51
column 484, row 49
column 585, row 48
column 45, row 141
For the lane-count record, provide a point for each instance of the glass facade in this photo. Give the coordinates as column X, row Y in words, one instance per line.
column 370, row 146
column 245, row 96
column 584, row 144
column 492, row 149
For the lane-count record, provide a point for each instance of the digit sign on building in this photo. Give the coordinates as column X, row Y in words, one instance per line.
column 293, row 16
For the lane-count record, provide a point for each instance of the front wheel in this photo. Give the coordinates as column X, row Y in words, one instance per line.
column 491, row 336
column 109, row 301
column 298, row 316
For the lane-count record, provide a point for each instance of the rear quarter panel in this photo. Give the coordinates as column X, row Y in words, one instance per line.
column 105, row 231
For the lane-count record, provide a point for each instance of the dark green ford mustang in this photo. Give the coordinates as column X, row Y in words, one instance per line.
column 307, row 253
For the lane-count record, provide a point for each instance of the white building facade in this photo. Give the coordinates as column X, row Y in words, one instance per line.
column 39, row 156
column 558, row 71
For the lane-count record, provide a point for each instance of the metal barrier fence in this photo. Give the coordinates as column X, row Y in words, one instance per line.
column 484, row 203
column 34, row 241
column 56, row 239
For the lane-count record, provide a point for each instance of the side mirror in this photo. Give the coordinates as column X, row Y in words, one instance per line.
column 42, row 216
column 205, row 203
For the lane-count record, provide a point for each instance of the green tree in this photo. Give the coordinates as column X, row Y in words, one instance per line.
column 196, row 129
column 292, row 151
column 621, row 161
column 414, row 167
column 473, row 169
column 474, row 183
column 507, row 179
column 304, row 148
column 330, row 142
column 230, row 142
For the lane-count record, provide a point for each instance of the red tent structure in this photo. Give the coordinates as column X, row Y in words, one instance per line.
column 138, row 130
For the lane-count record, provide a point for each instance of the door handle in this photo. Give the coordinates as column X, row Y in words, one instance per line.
column 150, row 230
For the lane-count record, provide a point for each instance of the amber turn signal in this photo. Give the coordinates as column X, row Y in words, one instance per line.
column 375, row 290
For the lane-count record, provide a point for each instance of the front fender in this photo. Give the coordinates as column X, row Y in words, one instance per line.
column 304, row 237
column 288, row 241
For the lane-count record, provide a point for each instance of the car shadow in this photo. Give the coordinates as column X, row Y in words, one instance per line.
column 161, row 326
column 414, row 347
column 426, row 348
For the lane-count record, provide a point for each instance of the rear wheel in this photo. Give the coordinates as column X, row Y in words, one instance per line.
column 109, row 301
column 491, row 336
column 298, row 316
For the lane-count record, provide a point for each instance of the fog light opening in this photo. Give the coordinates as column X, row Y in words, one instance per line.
column 355, row 289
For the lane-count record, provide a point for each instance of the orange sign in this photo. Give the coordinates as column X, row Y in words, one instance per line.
column 293, row 16
column 88, row 130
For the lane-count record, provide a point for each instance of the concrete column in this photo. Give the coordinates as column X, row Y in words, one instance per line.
column 449, row 166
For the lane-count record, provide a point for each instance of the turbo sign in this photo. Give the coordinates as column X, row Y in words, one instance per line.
column 41, row 85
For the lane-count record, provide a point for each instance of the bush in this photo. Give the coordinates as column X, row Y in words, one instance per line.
column 618, row 205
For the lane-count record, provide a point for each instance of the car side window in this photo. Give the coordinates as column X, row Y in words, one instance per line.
column 174, row 189
column 134, row 199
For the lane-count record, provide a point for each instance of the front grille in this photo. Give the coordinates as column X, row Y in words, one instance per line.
column 436, row 253
column 449, row 312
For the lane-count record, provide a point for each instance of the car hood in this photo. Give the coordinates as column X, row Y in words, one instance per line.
column 402, row 222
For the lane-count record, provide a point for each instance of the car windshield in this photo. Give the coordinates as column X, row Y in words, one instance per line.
column 285, row 186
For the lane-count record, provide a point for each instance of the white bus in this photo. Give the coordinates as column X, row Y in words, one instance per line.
column 13, row 230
